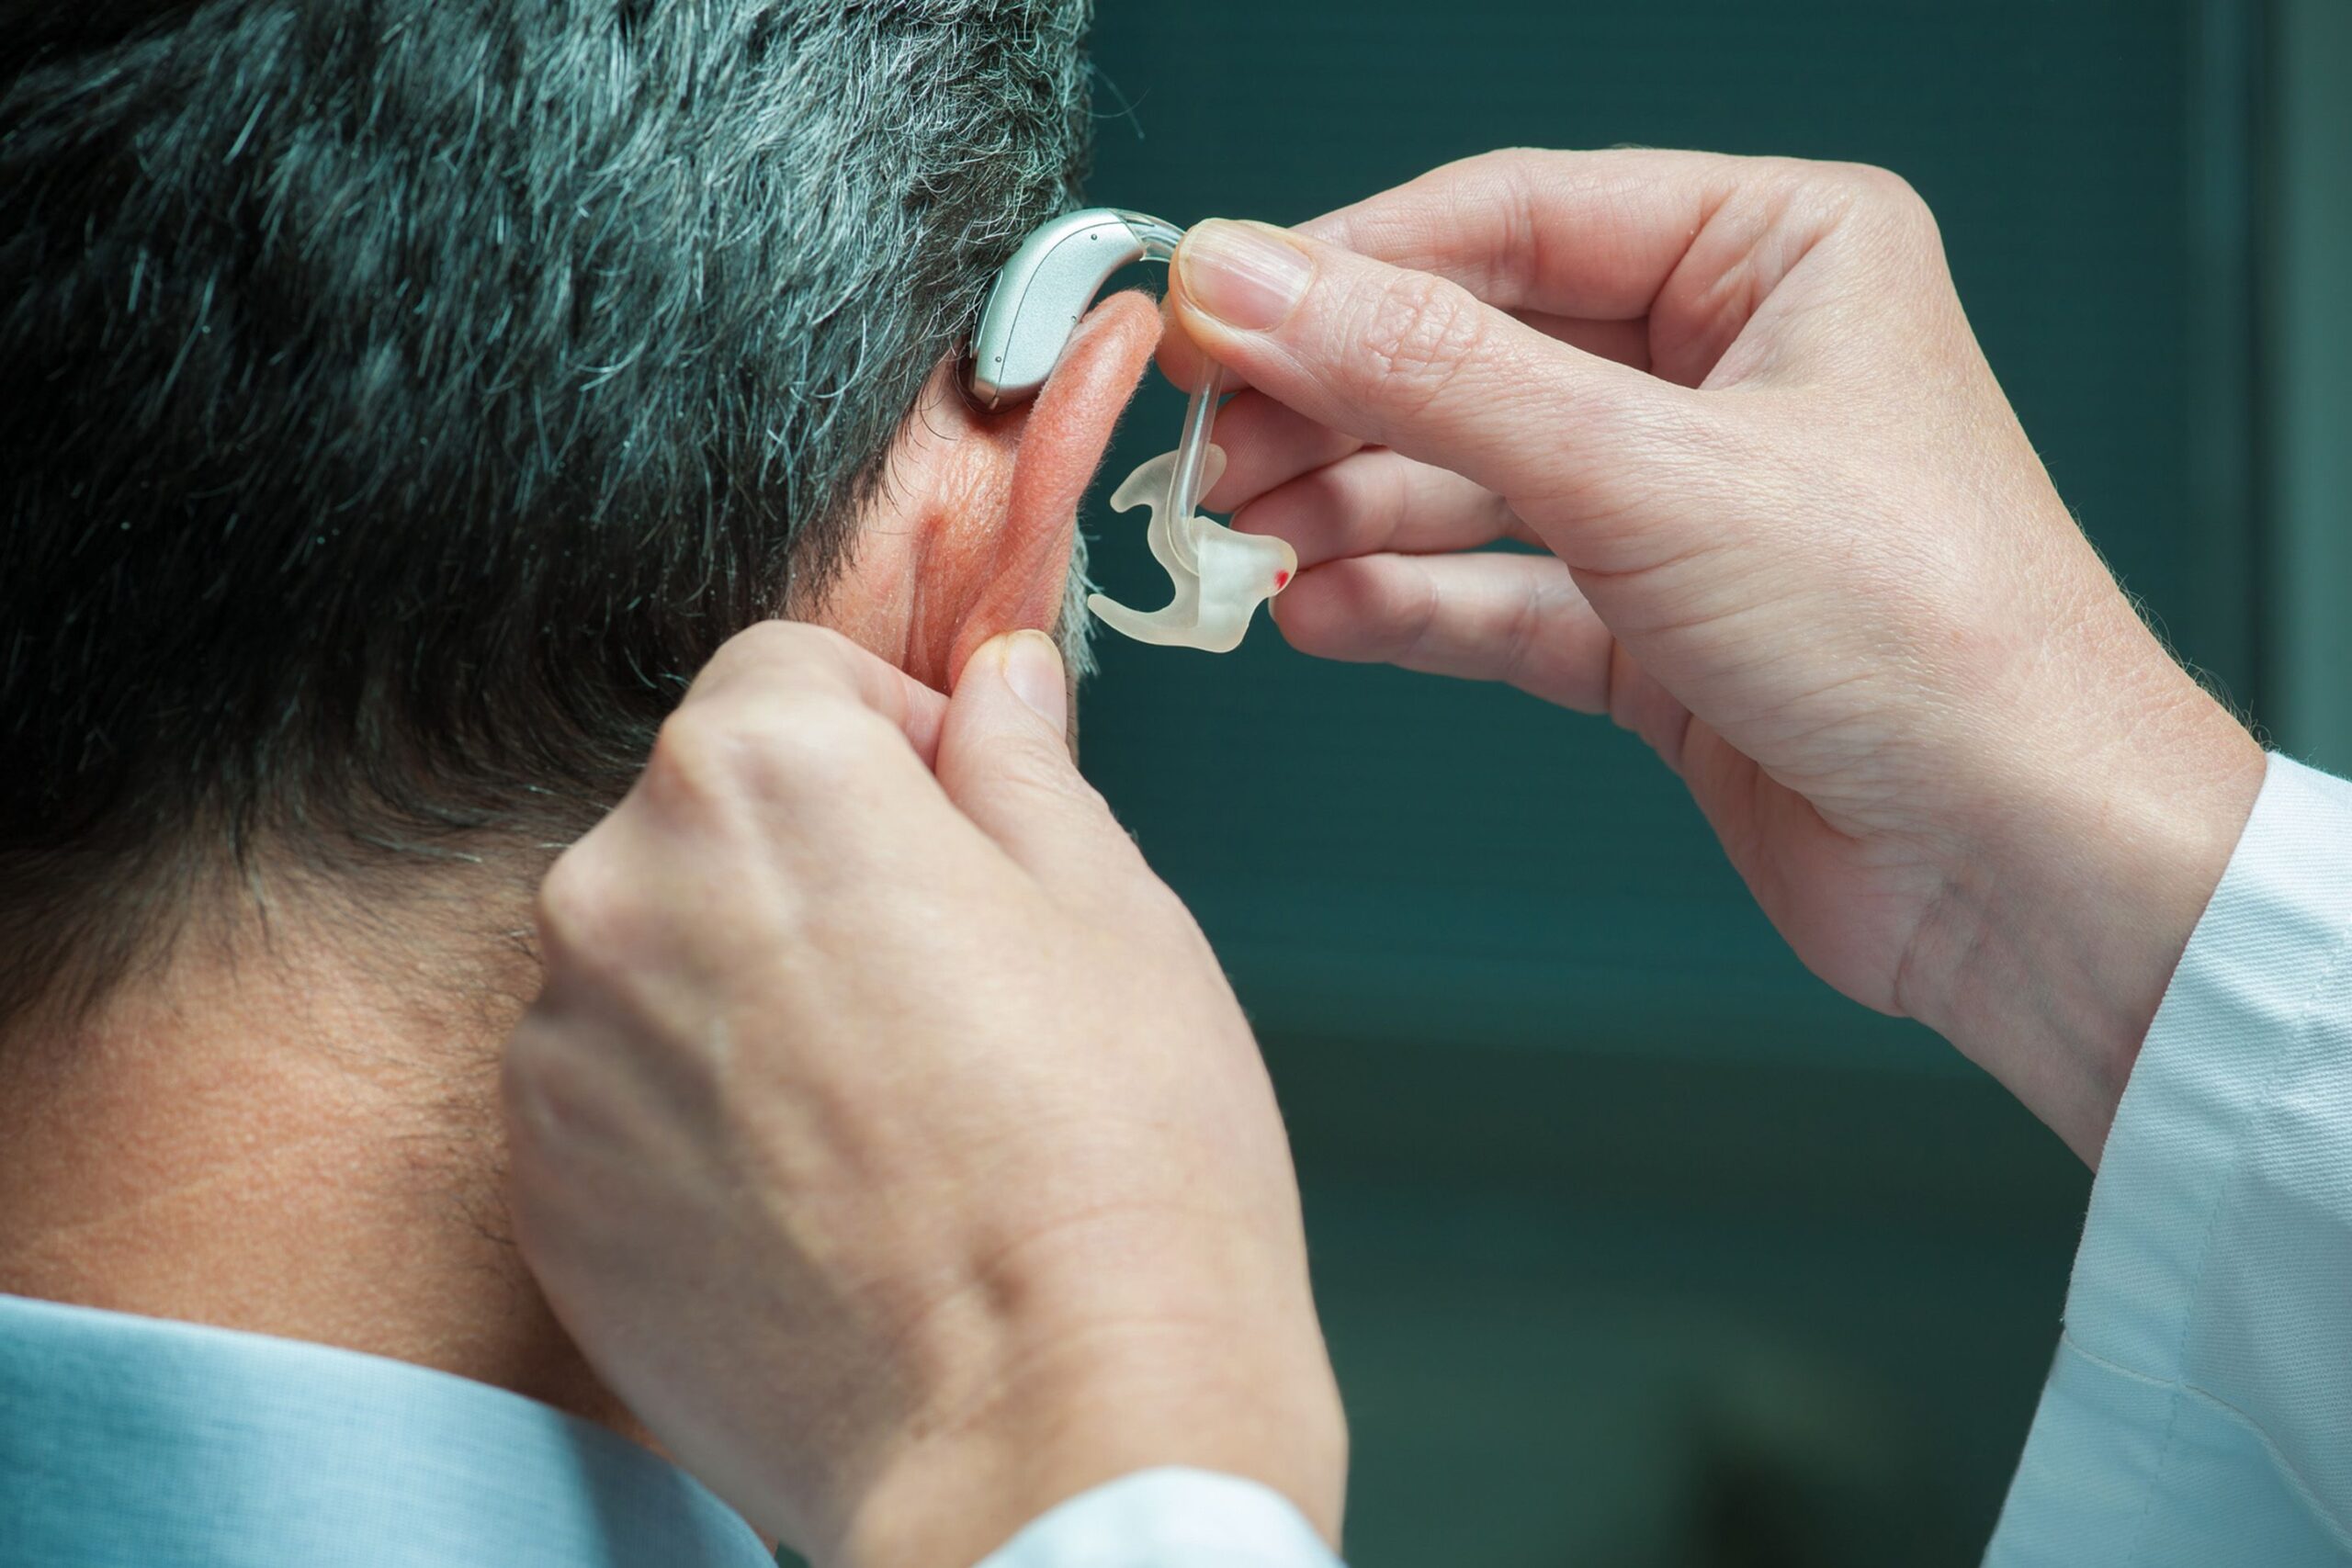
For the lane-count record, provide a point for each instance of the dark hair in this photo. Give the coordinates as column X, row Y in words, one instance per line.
column 403, row 398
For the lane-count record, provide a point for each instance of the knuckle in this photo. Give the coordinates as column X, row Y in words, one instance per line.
column 526, row 1072
column 577, row 907
column 1157, row 905
column 1497, row 168
column 1387, row 504
column 1880, row 185
column 690, row 757
column 724, row 754
column 1412, row 612
column 1888, row 199
column 539, row 1091
column 1522, row 632
column 1418, row 332
column 765, row 655
column 562, row 1124
column 818, row 747
column 770, row 642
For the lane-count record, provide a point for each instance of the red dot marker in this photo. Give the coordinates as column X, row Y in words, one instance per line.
column 1281, row 579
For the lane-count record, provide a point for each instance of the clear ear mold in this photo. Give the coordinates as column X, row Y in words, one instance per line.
column 1219, row 576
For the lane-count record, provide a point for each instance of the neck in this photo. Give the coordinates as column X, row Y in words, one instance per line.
column 293, row 1137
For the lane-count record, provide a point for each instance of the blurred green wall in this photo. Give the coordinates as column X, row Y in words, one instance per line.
column 2305, row 431
column 1636, row 1245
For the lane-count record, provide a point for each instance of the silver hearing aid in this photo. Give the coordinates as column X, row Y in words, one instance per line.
column 1047, row 286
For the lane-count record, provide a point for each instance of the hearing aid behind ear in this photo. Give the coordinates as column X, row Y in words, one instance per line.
column 1220, row 577
column 1040, row 294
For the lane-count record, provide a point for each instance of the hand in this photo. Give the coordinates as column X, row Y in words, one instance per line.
column 1797, row 542
column 892, row 1143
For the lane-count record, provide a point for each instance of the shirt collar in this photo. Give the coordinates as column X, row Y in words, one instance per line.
column 132, row 1440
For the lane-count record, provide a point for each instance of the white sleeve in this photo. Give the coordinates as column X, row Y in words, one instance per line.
column 2200, row 1408
column 1169, row 1518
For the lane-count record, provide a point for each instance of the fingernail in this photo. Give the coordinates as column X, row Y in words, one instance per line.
column 1032, row 668
column 1245, row 274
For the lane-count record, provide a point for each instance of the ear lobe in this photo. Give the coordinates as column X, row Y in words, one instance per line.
column 995, row 568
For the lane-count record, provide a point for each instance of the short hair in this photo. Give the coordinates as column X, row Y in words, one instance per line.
column 406, row 397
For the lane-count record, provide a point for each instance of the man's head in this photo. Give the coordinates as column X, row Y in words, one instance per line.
column 405, row 398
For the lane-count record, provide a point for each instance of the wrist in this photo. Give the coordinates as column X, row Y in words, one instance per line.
column 1092, row 1407
column 2065, row 913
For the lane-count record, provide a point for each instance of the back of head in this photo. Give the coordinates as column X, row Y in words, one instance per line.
column 404, row 398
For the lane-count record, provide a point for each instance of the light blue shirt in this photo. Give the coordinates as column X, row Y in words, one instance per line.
column 129, row 1442
column 2199, row 1411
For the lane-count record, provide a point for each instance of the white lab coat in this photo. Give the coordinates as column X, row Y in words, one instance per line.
column 2198, row 1412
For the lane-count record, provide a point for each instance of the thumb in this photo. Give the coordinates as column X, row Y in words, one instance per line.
column 1414, row 361
column 1004, row 759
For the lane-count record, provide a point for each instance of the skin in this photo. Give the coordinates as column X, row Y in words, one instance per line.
column 900, row 1263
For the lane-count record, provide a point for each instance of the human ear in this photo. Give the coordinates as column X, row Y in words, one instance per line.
column 970, row 532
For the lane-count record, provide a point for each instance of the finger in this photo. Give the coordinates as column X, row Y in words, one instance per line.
column 1594, row 234
column 1627, row 342
column 1513, row 618
column 791, row 660
column 1691, row 241
column 1179, row 358
column 1266, row 444
column 1408, row 360
column 1380, row 501
column 1004, row 760
column 1574, row 233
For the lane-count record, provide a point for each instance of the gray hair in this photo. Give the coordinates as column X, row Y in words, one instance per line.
column 411, row 394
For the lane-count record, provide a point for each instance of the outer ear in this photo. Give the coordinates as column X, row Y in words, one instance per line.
column 979, row 512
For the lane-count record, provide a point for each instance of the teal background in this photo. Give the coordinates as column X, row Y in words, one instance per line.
column 1636, row 1244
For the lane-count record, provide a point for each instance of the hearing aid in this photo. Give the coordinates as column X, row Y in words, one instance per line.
column 1040, row 294
column 1219, row 576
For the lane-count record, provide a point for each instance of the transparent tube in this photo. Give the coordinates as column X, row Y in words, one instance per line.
column 1191, row 452
column 1157, row 236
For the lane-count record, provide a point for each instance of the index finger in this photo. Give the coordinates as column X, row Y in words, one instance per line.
column 1592, row 236
column 1408, row 360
